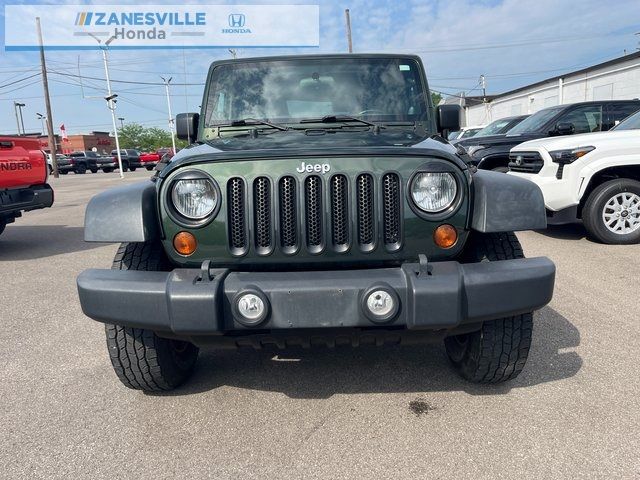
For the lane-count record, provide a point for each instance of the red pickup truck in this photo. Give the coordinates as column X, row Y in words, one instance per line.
column 23, row 178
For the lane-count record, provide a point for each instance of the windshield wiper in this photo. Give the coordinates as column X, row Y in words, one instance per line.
column 339, row 119
column 251, row 122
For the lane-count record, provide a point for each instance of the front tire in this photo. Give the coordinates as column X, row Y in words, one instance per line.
column 141, row 359
column 133, row 169
column 611, row 213
column 499, row 350
column 81, row 169
column 3, row 224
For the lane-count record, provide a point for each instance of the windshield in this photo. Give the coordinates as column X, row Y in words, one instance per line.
column 494, row 127
column 535, row 122
column 288, row 91
column 469, row 133
column 629, row 123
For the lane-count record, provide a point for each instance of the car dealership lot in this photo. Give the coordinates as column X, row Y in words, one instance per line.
column 346, row 413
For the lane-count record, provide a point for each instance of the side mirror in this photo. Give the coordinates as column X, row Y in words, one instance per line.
column 565, row 128
column 187, row 126
column 448, row 118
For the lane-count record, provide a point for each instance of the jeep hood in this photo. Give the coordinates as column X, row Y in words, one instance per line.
column 230, row 149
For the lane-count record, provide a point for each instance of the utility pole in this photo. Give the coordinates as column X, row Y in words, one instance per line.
column 348, row 20
column 47, row 103
column 483, row 83
column 121, row 122
column 166, row 88
column 17, row 106
column 111, row 97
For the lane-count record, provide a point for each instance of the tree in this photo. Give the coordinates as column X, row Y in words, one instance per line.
column 130, row 135
column 134, row 135
column 436, row 98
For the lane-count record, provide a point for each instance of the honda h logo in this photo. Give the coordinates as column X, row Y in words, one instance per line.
column 236, row 20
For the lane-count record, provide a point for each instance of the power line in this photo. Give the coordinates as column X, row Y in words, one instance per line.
column 19, row 88
column 123, row 81
column 20, row 80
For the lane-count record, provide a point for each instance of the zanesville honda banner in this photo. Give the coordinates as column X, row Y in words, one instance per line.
column 162, row 26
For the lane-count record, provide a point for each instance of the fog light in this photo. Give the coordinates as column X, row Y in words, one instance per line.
column 251, row 308
column 185, row 243
column 381, row 304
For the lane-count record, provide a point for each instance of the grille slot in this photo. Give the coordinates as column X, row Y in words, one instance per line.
column 236, row 215
column 313, row 207
column 391, row 210
column 364, row 196
column 262, row 214
column 339, row 212
column 288, row 214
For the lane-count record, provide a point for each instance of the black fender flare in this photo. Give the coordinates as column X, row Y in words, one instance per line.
column 123, row 214
column 505, row 203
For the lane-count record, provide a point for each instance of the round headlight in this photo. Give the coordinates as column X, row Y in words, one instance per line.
column 434, row 192
column 194, row 199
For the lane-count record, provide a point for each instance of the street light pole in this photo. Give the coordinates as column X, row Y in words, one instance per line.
column 121, row 122
column 173, row 137
column 15, row 107
column 111, row 97
column 41, row 117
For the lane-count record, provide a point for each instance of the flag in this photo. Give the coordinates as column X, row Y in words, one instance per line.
column 63, row 132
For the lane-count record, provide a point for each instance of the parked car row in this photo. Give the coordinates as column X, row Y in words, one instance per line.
column 585, row 157
column 492, row 152
column 593, row 177
column 89, row 161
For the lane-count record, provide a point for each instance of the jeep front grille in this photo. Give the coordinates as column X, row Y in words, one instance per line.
column 314, row 214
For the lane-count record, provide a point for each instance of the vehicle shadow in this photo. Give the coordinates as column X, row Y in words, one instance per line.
column 321, row 372
column 569, row 231
column 29, row 242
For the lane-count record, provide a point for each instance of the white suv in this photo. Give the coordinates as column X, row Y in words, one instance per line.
column 594, row 177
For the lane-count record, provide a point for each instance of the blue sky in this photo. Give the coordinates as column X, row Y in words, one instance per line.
column 512, row 42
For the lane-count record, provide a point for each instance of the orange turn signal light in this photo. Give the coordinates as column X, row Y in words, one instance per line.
column 185, row 243
column 445, row 236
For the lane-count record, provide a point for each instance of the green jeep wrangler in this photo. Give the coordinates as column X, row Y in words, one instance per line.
column 318, row 204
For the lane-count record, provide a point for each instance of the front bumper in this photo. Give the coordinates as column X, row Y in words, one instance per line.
column 25, row 199
column 442, row 295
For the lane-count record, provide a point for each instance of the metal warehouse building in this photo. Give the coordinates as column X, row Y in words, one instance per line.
column 617, row 79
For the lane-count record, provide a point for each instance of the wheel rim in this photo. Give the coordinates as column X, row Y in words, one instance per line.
column 621, row 213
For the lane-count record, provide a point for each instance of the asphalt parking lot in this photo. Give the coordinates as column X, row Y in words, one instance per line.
column 366, row 413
